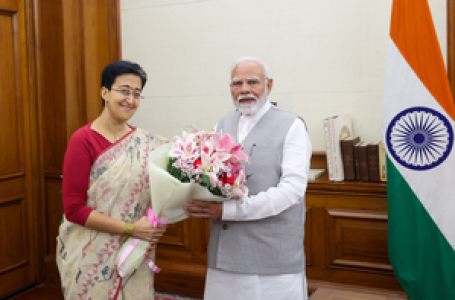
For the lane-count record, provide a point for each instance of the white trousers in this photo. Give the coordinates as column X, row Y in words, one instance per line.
column 223, row 285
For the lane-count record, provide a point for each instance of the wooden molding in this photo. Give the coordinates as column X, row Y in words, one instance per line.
column 8, row 200
column 347, row 264
column 313, row 285
column 365, row 215
column 325, row 186
column 35, row 210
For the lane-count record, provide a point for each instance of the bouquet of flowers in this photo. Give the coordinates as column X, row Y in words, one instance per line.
column 198, row 165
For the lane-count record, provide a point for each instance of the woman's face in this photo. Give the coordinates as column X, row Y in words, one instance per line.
column 123, row 99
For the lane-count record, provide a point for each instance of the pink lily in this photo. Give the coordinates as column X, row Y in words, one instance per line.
column 227, row 144
column 184, row 147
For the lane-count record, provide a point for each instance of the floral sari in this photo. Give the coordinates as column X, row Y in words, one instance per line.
column 119, row 188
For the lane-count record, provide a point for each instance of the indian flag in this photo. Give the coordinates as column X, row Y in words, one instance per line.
column 418, row 130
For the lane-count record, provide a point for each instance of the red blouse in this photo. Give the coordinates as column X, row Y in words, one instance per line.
column 84, row 147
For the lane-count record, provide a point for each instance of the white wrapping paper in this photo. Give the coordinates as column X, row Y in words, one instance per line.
column 169, row 195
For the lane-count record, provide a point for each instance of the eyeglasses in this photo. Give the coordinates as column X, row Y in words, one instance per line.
column 252, row 83
column 127, row 93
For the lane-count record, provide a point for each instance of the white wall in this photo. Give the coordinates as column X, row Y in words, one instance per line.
column 326, row 57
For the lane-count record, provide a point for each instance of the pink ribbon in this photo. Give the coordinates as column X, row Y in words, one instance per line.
column 154, row 222
column 125, row 255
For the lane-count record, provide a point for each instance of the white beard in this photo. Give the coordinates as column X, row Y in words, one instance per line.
column 250, row 108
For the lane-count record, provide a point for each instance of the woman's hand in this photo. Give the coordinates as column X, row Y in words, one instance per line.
column 145, row 231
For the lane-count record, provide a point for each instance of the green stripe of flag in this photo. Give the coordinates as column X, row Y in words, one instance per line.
column 422, row 259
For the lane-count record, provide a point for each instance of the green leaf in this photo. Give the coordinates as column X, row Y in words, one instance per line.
column 216, row 191
column 206, row 180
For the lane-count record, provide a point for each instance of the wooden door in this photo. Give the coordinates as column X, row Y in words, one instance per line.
column 75, row 40
column 16, row 255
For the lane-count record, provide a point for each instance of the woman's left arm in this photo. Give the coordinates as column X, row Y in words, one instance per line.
column 142, row 228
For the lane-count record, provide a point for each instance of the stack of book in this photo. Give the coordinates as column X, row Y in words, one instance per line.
column 363, row 161
column 348, row 158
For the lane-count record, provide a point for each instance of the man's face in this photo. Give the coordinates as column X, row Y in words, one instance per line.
column 248, row 87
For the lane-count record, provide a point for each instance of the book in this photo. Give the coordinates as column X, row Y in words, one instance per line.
column 340, row 128
column 363, row 160
column 382, row 163
column 315, row 174
column 347, row 156
column 356, row 161
column 328, row 146
column 373, row 161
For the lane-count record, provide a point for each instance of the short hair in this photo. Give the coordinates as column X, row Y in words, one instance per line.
column 253, row 59
column 118, row 68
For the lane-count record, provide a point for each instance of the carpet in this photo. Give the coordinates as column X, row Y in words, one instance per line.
column 167, row 296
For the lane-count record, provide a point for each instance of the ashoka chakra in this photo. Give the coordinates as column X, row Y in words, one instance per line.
column 419, row 138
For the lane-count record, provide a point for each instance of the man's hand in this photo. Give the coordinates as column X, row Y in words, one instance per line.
column 204, row 209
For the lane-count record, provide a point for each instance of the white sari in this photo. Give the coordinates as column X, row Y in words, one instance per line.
column 119, row 188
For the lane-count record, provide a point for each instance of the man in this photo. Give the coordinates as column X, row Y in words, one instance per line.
column 256, row 244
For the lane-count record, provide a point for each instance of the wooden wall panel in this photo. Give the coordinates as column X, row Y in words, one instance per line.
column 11, row 213
column 349, row 238
column 16, row 253
column 9, row 131
column 177, row 236
column 13, row 280
column 357, row 239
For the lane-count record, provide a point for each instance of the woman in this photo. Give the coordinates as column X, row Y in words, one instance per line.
column 106, row 194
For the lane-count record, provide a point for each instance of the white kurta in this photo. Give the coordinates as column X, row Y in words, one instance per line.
column 223, row 285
